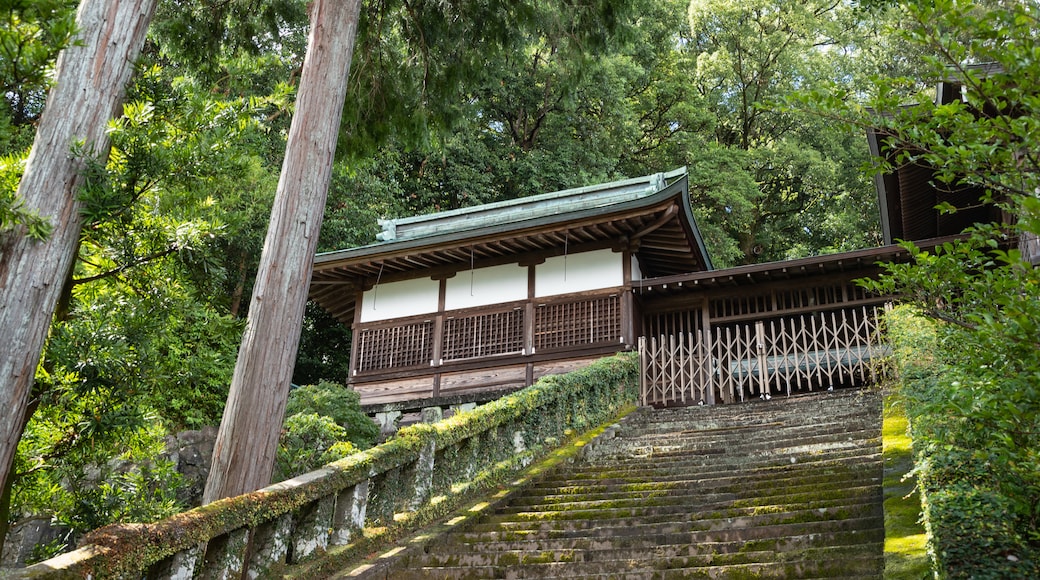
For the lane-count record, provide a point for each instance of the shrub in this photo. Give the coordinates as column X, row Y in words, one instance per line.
column 308, row 442
column 323, row 423
column 975, row 444
column 340, row 404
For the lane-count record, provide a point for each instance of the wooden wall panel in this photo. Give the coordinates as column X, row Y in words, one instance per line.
column 482, row 380
column 397, row 390
column 559, row 367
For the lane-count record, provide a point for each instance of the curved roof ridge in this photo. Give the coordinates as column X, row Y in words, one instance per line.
column 525, row 208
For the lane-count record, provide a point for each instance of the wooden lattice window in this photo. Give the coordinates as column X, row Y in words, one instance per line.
column 585, row 322
column 483, row 335
column 395, row 346
column 779, row 301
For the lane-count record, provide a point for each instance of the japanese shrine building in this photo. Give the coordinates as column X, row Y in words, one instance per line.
column 490, row 298
column 466, row 304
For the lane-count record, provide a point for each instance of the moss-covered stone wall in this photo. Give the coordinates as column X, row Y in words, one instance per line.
column 420, row 474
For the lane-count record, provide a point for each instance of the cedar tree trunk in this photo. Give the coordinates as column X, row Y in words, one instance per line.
column 244, row 453
column 92, row 74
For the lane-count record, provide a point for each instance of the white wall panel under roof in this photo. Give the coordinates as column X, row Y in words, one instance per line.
column 396, row 299
column 637, row 274
column 579, row 273
column 484, row 286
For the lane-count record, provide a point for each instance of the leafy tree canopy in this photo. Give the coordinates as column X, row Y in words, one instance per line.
column 981, row 427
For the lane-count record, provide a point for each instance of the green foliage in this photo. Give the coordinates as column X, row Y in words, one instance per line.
column 906, row 554
column 323, row 423
column 13, row 215
column 969, row 360
column 417, row 66
column 770, row 177
column 308, row 442
column 143, row 333
column 980, row 139
column 338, row 403
column 31, row 35
column 975, row 419
column 211, row 37
column 324, row 351
column 109, row 470
column 538, row 114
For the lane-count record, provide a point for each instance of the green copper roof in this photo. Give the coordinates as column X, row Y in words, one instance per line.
column 525, row 208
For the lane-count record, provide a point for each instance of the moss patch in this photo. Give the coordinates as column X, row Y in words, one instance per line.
column 906, row 554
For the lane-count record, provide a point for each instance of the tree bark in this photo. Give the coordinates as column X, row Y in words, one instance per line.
column 92, row 74
column 244, row 453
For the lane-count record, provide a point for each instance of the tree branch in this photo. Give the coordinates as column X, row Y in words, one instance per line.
column 116, row 271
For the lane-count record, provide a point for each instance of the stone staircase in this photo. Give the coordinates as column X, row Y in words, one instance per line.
column 788, row 488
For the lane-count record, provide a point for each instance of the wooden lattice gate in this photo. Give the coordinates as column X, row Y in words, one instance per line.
column 761, row 358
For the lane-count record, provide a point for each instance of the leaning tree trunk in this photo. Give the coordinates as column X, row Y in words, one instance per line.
column 92, row 74
column 244, row 453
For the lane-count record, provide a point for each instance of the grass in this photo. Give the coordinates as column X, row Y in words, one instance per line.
column 906, row 556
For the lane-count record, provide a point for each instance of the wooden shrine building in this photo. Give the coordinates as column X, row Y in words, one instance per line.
column 467, row 304
column 471, row 302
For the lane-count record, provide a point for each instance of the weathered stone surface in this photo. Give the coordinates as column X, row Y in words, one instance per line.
column 25, row 535
column 785, row 488
column 191, row 452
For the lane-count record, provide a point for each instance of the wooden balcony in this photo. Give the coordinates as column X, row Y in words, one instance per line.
column 500, row 347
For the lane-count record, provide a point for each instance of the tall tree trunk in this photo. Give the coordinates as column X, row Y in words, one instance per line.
column 92, row 74
column 244, row 453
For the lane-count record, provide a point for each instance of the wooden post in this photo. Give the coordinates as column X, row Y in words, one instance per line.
column 91, row 77
column 355, row 331
column 706, row 349
column 643, row 369
column 437, row 357
column 244, row 453
column 529, row 313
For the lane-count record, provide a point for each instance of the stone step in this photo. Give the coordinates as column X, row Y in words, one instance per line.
column 679, row 446
column 796, row 407
column 738, row 458
column 720, row 465
column 677, row 520
column 735, row 427
column 756, row 564
column 791, row 482
column 667, row 471
column 671, row 544
column 832, row 518
column 671, row 556
column 693, row 498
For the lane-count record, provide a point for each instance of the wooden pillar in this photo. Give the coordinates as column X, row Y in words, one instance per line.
column 529, row 312
column 438, row 334
column 628, row 309
column 708, row 363
column 355, row 344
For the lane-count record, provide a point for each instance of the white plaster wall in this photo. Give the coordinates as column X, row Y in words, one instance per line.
column 395, row 299
column 637, row 274
column 579, row 272
column 484, row 286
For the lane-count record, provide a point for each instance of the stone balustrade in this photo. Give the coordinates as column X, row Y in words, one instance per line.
column 313, row 522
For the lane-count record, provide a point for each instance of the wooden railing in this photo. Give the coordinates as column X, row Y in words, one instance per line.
column 761, row 358
column 420, row 475
column 520, row 328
